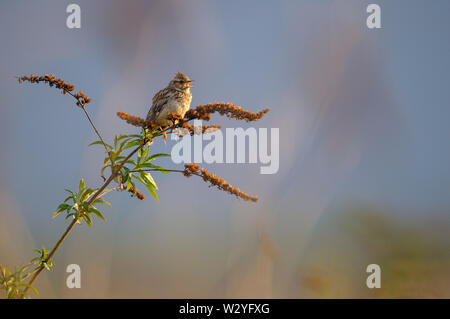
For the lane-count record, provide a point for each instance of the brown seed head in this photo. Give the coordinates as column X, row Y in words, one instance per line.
column 203, row 112
column 214, row 180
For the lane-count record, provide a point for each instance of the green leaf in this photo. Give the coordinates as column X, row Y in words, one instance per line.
column 141, row 179
column 135, row 135
column 57, row 213
column 96, row 213
column 131, row 144
column 121, row 136
column 130, row 183
column 102, row 201
column 103, row 170
column 101, row 143
column 132, row 162
column 124, row 171
column 82, row 186
column 31, row 287
column 148, row 179
column 24, row 268
column 87, row 193
column 60, row 209
column 88, row 219
column 145, row 152
column 151, row 190
column 112, row 154
column 116, row 142
column 10, row 292
column 139, row 156
column 63, row 206
column 157, row 156
column 5, row 271
column 142, row 155
column 159, row 168
column 68, row 198
column 125, row 140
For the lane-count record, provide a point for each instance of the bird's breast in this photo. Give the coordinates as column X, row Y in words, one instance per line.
column 178, row 104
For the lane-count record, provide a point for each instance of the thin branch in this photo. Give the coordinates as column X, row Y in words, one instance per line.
column 207, row 177
column 200, row 112
column 97, row 194
column 80, row 103
column 98, row 134
column 95, row 129
column 157, row 170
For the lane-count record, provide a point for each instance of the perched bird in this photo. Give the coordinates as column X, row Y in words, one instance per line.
column 175, row 98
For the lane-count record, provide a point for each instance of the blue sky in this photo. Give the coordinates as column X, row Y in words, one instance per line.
column 260, row 55
column 363, row 114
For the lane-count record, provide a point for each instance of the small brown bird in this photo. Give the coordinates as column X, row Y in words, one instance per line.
column 175, row 98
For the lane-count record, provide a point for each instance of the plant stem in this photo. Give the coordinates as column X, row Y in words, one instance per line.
column 167, row 170
column 96, row 131
column 114, row 173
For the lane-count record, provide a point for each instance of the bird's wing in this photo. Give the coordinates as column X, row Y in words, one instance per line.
column 158, row 102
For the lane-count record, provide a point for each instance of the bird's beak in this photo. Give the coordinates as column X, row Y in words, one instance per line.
column 188, row 84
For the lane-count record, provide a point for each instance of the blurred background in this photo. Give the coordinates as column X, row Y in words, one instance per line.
column 363, row 117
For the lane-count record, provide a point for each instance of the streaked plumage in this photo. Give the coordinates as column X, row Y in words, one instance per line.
column 176, row 98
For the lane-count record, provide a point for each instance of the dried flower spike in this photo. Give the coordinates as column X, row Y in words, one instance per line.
column 136, row 192
column 203, row 112
column 134, row 120
column 65, row 87
column 214, row 180
column 197, row 129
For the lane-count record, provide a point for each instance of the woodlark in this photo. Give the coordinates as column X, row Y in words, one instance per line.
column 175, row 98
